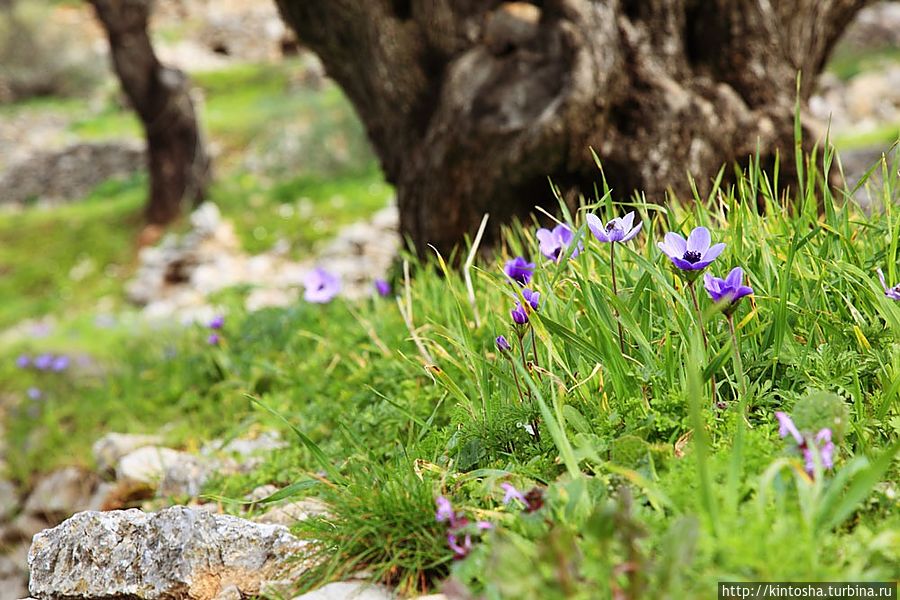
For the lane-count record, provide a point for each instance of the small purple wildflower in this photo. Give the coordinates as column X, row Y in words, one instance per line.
column 519, row 314
column 444, row 511
column 321, row 286
column 519, row 270
column 213, row 339
column 730, row 289
column 617, row 230
column 383, row 288
column 23, row 361
column 693, row 254
column 893, row 292
column 34, row 393
column 502, row 344
column 554, row 243
column 43, row 362
column 512, row 494
column 60, row 363
column 460, row 550
column 532, row 298
column 217, row 322
column 820, row 445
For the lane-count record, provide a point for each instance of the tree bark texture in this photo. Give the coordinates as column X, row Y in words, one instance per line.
column 177, row 160
column 472, row 105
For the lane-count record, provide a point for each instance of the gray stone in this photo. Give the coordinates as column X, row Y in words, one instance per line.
column 288, row 514
column 9, row 499
column 23, row 527
column 176, row 473
column 175, row 554
column 349, row 590
column 62, row 493
column 110, row 448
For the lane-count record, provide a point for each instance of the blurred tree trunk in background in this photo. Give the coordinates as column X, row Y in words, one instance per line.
column 177, row 160
column 472, row 104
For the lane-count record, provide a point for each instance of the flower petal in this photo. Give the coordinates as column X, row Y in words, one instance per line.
column 713, row 253
column 597, row 228
column 673, row 245
column 883, row 283
column 786, row 426
column 735, row 277
column 699, row 240
column 628, row 221
column 634, row 231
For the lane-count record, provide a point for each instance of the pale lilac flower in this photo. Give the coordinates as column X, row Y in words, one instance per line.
column 213, row 339
column 321, row 286
column 60, row 363
column 532, row 298
column 786, row 426
column 519, row 270
column 460, row 550
column 893, row 292
column 444, row 511
column 693, row 254
column 618, row 230
column 820, row 445
column 555, row 242
column 23, row 361
column 34, row 393
column 730, row 289
column 502, row 344
column 43, row 362
column 484, row 525
column 383, row 288
column 512, row 494
column 217, row 322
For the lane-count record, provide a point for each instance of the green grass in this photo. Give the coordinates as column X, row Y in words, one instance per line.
column 637, row 465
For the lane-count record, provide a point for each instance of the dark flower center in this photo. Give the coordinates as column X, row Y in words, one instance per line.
column 691, row 256
column 611, row 225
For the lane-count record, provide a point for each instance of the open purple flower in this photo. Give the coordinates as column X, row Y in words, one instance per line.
column 444, row 511
column 43, row 362
column 512, row 494
column 618, row 230
column 730, row 289
column 23, row 361
column 502, row 344
column 383, row 288
column 519, row 314
column 321, row 286
column 893, row 292
column 60, row 363
column 693, row 254
column 555, row 242
column 217, row 322
column 820, row 445
column 532, row 298
column 519, row 270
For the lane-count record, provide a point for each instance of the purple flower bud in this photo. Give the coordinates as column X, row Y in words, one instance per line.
column 519, row 314
column 519, row 270
column 23, row 361
column 213, row 339
column 731, row 289
column 555, row 243
column 383, row 288
column 513, row 494
column 60, row 363
column 533, row 298
column 502, row 344
column 444, row 510
column 217, row 322
column 34, row 393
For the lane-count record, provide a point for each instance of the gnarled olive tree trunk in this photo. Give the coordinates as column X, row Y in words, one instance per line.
column 177, row 160
column 472, row 104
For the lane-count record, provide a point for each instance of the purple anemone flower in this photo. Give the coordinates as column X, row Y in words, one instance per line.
column 693, row 254
column 519, row 314
column 34, row 393
column 43, row 362
column 730, row 289
column 23, row 361
column 213, row 339
column 519, row 270
column 512, row 494
column 620, row 229
column 218, row 322
column 60, row 363
column 383, row 288
column 532, row 298
column 502, row 344
column 444, row 511
column 893, row 292
column 321, row 286
column 555, row 242
column 820, row 445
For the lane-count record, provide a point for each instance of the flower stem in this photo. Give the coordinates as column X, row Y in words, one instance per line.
column 690, row 287
column 534, row 347
column 612, row 268
column 516, row 379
